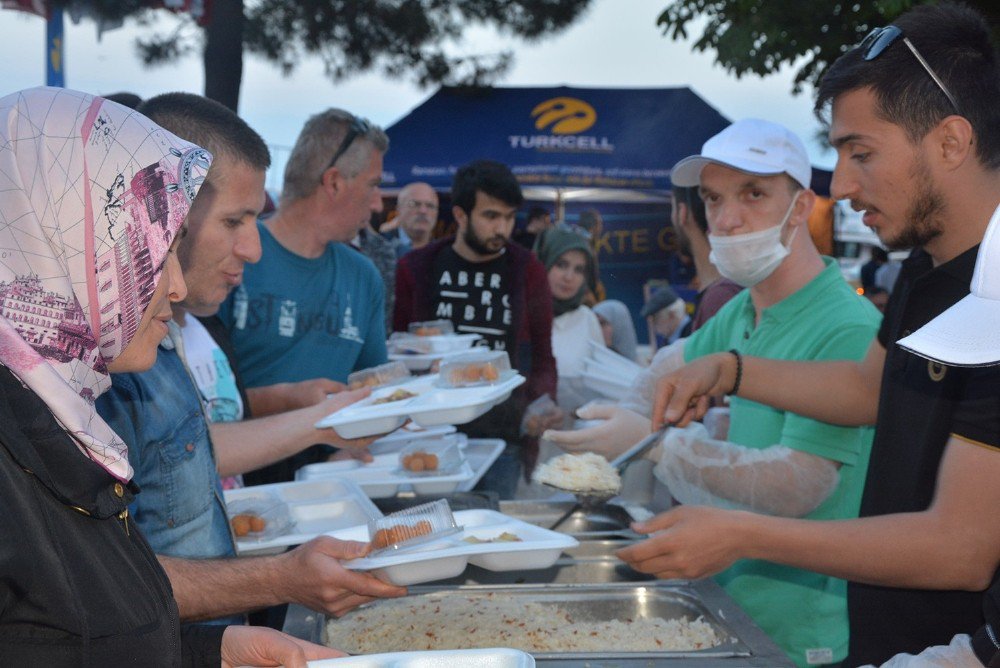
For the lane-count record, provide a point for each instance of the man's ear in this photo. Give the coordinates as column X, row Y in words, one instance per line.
column 803, row 207
column 331, row 180
column 461, row 218
column 952, row 141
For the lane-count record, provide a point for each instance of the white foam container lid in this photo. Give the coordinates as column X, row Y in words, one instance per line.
column 451, row 658
column 433, row 406
column 538, row 548
column 381, row 478
column 316, row 507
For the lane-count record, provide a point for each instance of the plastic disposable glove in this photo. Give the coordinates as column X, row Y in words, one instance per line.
column 640, row 396
column 957, row 654
column 776, row 480
column 621, row 430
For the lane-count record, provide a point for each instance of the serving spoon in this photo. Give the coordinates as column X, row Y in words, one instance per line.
column 589, row 499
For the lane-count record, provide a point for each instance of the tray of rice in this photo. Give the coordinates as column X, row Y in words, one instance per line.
column 487, row 539
column 587, row 622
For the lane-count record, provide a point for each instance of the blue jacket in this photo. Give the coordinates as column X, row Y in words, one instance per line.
column 159, row 415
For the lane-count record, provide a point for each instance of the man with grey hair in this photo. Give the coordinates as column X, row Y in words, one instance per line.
column 314, row 306
column 418, row 211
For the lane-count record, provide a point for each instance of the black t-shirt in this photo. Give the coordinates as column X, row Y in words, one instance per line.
column 475, row 297
column 920, row 406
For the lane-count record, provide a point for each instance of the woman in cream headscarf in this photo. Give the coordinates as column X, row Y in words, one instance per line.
column 93, row 197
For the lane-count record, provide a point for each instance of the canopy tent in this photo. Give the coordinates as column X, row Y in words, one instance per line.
column 554, row 137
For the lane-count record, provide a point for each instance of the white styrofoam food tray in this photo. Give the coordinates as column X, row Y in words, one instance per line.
column 315, row 507
column 442, row 343
column 409, row 433
column 382, row 477
column 538, row 548
column 605, row 385
column 480, row 453
column 610, row 358
column 451, row 658
column 422, row 361
column 432, row 406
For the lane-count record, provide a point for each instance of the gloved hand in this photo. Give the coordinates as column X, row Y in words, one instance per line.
column 621, row 430
column 777, row 480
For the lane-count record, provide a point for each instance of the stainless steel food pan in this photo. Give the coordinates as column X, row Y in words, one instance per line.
column 743, row 643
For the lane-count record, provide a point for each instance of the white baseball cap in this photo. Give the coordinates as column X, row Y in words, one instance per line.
column 968, row 333
column 749, row 145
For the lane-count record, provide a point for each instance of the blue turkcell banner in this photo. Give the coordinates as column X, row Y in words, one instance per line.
column 626, row 138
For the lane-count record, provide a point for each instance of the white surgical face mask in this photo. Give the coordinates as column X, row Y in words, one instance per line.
column 747, row 259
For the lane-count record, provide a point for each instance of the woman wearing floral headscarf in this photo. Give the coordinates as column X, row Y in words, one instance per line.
column 93, row 198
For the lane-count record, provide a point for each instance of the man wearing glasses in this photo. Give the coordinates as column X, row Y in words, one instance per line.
column 313, row 306
column 418, row 212
column 916, row 124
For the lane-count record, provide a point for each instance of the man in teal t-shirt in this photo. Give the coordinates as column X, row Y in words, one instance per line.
column 754, row 178
column 314, row 307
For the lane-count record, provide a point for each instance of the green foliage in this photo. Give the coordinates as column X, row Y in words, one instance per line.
column 761, row 36
column 411, row 38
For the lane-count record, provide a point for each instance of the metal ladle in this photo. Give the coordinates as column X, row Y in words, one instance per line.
column 589, row 499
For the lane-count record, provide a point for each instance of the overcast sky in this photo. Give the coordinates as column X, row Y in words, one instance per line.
column 615, row 44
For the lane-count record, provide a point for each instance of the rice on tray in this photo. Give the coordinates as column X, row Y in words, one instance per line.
column 404, row 624
column 585, row 472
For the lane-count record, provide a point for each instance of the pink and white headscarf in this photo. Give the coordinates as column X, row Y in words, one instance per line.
column 92, row 195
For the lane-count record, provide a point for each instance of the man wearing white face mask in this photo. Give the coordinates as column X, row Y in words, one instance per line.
column 754, row 178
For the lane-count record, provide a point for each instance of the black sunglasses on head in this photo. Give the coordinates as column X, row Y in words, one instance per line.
column 879, row 39
column 360, row 127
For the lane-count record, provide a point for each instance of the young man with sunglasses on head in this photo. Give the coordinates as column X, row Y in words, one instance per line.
column 313, row 306
column 916, row 124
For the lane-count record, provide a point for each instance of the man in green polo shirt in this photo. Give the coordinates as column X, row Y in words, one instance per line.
column 754, row 178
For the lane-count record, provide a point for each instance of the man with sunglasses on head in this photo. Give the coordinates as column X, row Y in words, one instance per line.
column 916, row 124
column 314, row 306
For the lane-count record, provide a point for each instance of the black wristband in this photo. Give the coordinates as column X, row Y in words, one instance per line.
column 739, row 371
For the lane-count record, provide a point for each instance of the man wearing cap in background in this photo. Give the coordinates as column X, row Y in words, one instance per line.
column 916, row 125
column 754, row 179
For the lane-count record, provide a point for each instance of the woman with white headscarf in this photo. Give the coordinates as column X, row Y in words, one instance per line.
column 93, row 198
column 617, row 327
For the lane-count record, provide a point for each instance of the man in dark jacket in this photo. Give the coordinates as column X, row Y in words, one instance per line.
column 488, row 286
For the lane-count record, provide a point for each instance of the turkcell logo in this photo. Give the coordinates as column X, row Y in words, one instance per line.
column 564, row 118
